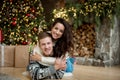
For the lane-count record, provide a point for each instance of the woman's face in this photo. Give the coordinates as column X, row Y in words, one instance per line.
column 57, row 30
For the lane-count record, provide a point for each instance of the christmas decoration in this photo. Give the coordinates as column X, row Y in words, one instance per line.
column 20, row 21
column 14, row 19
column 14, row 23
column 24, row 43
column 1, row 36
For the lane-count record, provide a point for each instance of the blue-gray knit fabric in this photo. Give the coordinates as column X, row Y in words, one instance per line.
column 40, row 72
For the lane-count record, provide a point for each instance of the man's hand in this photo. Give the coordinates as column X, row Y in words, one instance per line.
column 35, row 57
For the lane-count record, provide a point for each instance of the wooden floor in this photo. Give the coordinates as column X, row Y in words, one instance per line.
column 80, row 73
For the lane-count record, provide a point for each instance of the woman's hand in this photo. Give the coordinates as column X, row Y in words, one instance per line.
column 63, row 64
column 35, row 57
column 60, row 63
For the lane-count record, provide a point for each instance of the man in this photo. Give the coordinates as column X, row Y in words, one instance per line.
column 39, row 70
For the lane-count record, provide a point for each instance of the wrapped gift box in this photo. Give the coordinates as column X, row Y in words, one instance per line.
column 7, row 54
column 21, row 56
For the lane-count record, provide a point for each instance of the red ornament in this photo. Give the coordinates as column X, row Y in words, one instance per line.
column 1, row 36
column 14, row 19
column 35, row 29
column 24, row 43
column 14, row 23
column 28, row 15
column 32, row 10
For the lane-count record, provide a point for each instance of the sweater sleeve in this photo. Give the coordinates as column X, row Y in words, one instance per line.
column 48, row 60
column 44, row 72
column 38, row 71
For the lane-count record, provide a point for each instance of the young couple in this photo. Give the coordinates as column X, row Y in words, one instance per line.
column 49, row 59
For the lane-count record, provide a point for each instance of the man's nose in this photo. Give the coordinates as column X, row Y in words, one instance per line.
column 46, row 46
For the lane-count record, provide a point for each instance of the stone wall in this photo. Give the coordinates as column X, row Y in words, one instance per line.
column 107, row 49
column 119, row 39
column 114, row 43
column 119, row 42
column 108, row 43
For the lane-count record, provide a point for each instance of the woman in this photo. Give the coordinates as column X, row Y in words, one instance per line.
column 62, row 35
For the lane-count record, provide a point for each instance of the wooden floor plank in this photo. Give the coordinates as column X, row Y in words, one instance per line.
column 80, row 73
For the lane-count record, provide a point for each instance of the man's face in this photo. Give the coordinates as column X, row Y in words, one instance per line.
column 46, row 46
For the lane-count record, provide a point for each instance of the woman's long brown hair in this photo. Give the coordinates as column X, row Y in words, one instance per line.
column 64, row 43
